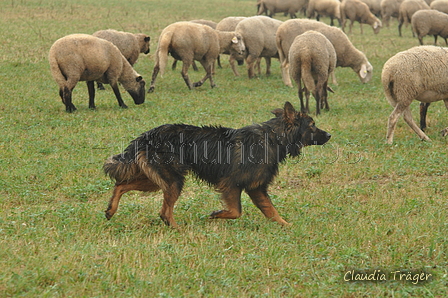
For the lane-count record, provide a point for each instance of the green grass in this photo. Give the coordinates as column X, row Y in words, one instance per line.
column 355, row 203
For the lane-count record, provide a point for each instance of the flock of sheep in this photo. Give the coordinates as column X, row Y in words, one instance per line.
column 308, row 51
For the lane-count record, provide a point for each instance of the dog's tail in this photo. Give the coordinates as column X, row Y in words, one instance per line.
column 121, row 168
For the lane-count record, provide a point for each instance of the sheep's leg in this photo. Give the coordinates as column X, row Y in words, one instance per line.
column 324, row 99
column 91, row 89
column 285, row 74
column 303, row 108
column 155, row 72
column 233, row 66
column 423, row 110
column 435, row 40
column 208, row 67
column 400, row 24
column 66, row 96
column 360, row 25
column 350, row 26
column 268, row 65
column 250, row 61
column 392, row 122
column 100, row 86
column 185, row 66
column 407, row 115
column 317, row 96
column 117, row 93
column 307, row 96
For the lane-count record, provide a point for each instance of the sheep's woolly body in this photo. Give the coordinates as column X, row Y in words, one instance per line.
column 389, row 8
column 416, row 74
column 329, row 8
column 407, row 10
column 440, row 5
column 356, row 10
column 258, row 33
column 347, row 54
column 313, row 58
column 287, row 6
column 82, row 57
column 430, row 22
column 374, row 6
column 129, row 44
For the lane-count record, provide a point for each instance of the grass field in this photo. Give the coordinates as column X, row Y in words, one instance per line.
column 355, row 204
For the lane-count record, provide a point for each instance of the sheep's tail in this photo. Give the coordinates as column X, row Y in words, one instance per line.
column 388, row 86
column 307, row 77
column 56, row 71
column 121, row 167
column 162, row 50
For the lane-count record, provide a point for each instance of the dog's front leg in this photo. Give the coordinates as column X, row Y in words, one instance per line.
column 231, row 199
column 261, row 199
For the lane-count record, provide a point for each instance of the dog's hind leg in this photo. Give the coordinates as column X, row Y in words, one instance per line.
column 231, row 199
column 261, row 199
column 120, row 189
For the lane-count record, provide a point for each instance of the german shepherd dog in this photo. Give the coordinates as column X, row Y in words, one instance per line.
column 231, row 160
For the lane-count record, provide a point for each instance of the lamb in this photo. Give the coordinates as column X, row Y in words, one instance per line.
column 286, row 6
column 189, row 41
column 430, row 22
column 418, row 73
column 258, row 33
column 312, row 58
column 229, row 24
column 389, row 8
column 129, row 44
column 83, row 57
column 407, row 9
column 330, row 8
column 440, row 5
column 356, row 10
column 347, row 55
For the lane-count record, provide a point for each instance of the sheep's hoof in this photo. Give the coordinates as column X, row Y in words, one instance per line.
column 92, row 107
column 70, row 109
column 197, row 84
column 151, row 89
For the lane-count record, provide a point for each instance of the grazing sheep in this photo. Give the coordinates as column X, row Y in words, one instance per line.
column 313, row 58
column 287, row 6
column 418, row 73
column 440, row 5
column 374, row 6
column 355, row 10
column 347, row 54
column 407, row 9
column 189, row 41
column 389, row 8
column 258, row 33
column 229, row 24
column 329, row 8
column 129, row 44
column 82, row 57
column 430, row 22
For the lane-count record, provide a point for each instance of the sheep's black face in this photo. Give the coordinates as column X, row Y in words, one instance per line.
column 138, row 94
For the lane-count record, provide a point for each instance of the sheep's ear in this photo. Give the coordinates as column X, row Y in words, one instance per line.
column 235, row 39
column 139, row 78
column 376, row 25
column 363, row 71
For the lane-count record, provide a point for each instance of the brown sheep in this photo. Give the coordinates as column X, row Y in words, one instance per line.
column 356, row 10
column 407, row 9
column 82, row 57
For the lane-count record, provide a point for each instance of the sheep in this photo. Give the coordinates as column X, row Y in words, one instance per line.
column 374, row 6
column 356, row 10
column 440, row 5
column 286, row 6
column 83, row 57
column 189, row 41
column 313, row 58
column 129, row 44
column 389, row 8
column 258, row 33
column 347, row 55
column 418, row 73
column 430, row 22
column 229, row 24
column 407, row 9
column 330, row 8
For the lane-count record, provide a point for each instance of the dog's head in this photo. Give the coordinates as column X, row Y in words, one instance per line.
column 299, row 128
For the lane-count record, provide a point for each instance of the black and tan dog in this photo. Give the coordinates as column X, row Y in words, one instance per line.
column 231, row 160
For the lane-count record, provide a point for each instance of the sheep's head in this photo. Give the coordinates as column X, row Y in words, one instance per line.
column 377, row 26
column 238, row 47
column 365, row 73
column 136, row 88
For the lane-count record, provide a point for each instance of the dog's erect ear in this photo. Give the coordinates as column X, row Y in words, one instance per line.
column 289, row 113
column 277, row 112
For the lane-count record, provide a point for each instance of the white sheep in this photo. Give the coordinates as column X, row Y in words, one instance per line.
column 329, row 8
column 389, row 8
column 187, row 41
column 287, row 6
column 229, row 24
column 312, row 58
column 258, row 33
column 407, row 9
column 415, row 74
column 347, row 54
column 440, row 5
column 356, row 10
column 129, row 44
column 82, row 57
column 430, row 22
